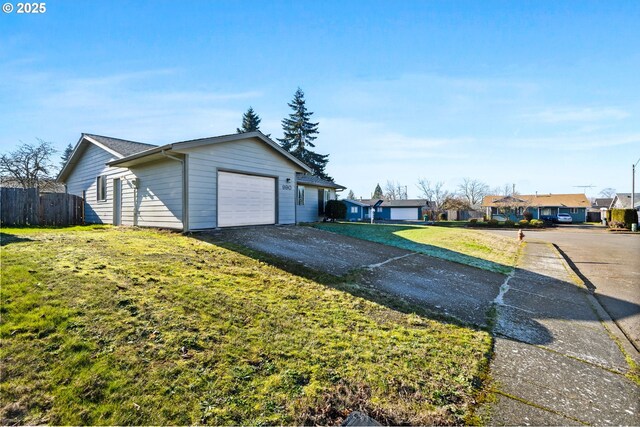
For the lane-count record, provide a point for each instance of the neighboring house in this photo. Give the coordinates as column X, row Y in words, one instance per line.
column 313, row 193
column 224, row 181
column 410, row 209
column 46, row 185
column 623, row 201
column 598, row 209
column 538, row 204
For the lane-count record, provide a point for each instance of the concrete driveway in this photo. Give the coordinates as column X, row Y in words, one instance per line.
column 455, row 290
column 555, row 362
column 609, row 263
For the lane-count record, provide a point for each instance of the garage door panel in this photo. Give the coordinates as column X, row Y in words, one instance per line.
column 245, row 200
column 404, row 213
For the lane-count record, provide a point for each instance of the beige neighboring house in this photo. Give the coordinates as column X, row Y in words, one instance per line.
column 539, row 205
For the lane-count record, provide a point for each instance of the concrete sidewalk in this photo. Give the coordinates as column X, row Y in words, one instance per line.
column 555, row 362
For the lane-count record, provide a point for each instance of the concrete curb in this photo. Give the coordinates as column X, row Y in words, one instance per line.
column 612, row 327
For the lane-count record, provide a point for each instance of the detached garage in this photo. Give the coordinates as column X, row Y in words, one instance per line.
column 225, row 181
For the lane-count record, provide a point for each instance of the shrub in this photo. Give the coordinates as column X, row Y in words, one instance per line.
column 473, row 221
column 335, row 209
column 524, row 222
column 625, row 216
column 509, row 223
column 492, row 222
column 442, row 217
column 527, row 215
column 536, row 223
column 616, row 224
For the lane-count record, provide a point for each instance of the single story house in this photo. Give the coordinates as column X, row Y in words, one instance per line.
column 538, row 205
column 623, row 201
column 409, row 209
column 224, row 181
column 598, row 209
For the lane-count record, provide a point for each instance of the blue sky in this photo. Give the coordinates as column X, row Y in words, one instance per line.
column 545, row 95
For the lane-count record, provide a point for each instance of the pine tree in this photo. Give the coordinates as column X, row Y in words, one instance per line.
column 377, row 193
column 351, row 196
column 66, row 155
column 299, row 132
column 250, row 121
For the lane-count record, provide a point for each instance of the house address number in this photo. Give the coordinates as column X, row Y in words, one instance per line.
column 287, row 186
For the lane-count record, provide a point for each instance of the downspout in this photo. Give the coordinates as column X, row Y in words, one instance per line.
column 185, row 205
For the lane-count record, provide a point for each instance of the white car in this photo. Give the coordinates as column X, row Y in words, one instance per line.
column 564, row 218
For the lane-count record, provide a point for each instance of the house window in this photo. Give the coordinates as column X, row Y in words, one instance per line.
column 573, row 210
column 300, row 195
column 378, row 209
column 354, row 209
column 101, row 188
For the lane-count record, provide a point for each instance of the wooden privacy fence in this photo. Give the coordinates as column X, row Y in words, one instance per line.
column 19, row 206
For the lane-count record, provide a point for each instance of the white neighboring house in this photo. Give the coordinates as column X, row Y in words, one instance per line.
column 224, row 181
column 623, row 201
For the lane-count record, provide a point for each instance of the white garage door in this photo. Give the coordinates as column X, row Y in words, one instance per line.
column 245, row 200
column 404, row 213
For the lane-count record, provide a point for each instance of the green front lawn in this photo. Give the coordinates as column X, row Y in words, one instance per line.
column 482, row 250
column 123, row 326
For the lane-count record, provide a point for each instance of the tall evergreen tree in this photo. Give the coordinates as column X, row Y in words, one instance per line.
column 250, row 121
column 377, row 193
column 300, row 132
column 351, row 196
column 66, row 154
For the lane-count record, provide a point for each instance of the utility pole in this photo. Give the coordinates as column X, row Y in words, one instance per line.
column 633, row 186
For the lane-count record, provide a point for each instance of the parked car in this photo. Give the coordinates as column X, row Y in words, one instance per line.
column 549, row 219
column 499, row 217
column 564, row 218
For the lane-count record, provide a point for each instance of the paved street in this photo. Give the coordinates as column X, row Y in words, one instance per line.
column 610, row 262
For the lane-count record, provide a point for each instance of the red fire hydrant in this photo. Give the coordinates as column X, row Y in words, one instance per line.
column 520, row 235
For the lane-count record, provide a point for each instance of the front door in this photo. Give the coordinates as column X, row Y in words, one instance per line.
column 117, row 201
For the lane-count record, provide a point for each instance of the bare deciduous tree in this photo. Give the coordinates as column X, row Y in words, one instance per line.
column 29, row 164
column 473, row 191
column 395, row 191
column 608, row 193
column 434, row 193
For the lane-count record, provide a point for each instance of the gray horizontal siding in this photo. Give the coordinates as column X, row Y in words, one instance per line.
column 83, row 178
column 159, row 197
column 309, row 211
column 248, row 156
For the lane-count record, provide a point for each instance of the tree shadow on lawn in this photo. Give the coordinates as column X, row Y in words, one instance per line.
column 386, row 234
column 536, row 309
column 7, row 239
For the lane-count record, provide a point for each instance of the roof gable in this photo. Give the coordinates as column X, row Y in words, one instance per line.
column 193, row 143
column 118, row 147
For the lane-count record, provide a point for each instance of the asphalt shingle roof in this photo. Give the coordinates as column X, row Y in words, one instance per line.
column 405, row 203
column 317, row 181
column 122, row 146
column 540, row 200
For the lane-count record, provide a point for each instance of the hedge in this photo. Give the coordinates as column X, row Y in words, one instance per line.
column 626, row 216
column 335, row 209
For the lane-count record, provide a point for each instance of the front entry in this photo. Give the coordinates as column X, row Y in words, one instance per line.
column 117, row 201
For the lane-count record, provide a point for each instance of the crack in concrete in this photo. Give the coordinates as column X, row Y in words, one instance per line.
column 380, row 264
